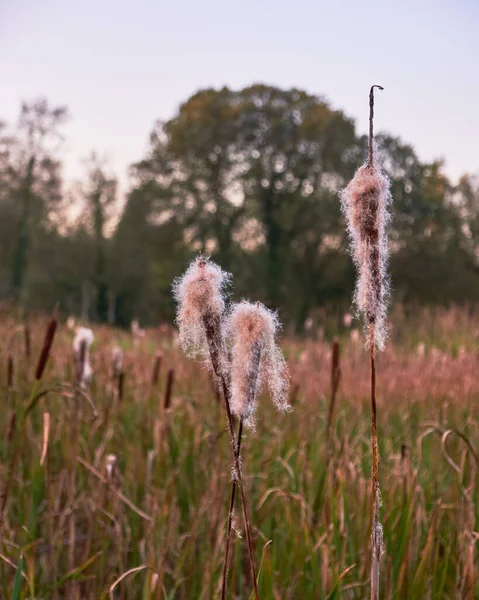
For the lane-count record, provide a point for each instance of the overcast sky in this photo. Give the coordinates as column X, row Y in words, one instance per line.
column 120, row 65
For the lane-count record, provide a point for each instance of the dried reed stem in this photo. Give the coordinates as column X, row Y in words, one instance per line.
column 169, row 388
column 230, row 518
column 212, row 330
column 155, row 378
column 46, row 348
column 376, row 530
column 27, row 339
column 335, row 375
column 10, row 372
column 371, row 124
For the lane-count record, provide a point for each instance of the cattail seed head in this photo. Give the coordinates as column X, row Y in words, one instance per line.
column 255, row 359
column 365, row 204
column 200, row 295
column 117, row 360
column 84, row 338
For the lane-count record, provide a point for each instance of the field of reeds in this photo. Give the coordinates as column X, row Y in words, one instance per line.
column 119, row 489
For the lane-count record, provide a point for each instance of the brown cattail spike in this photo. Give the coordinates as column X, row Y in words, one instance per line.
column 47, row 345
column 121, row 384
column 335, row 376
column 169, row 388
column 156, row 369
column 10, row 372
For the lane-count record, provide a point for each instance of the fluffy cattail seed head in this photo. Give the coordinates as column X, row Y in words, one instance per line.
column 81, row 349
column 255, row 359
column 365, row 204
column 200, row 295
column 117, row 360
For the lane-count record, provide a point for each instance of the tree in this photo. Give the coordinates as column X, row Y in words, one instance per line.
column 32, row 171
column 247, row 171
column 100, row 196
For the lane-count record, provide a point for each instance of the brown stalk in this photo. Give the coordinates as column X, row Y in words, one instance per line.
column 156, row 369
column 121, row 384
column 169, row 388
column 212, row 330
column 230, row 518
column 335, row 376
column 10, row 372
column 80, row 362
column 27, row 338
column 46, row 348
column 376, row 533
column 371, row 119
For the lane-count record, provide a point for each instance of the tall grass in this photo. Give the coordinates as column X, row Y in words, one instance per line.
column 149, row 522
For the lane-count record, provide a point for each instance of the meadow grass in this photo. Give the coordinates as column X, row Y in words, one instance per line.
column 151, row 483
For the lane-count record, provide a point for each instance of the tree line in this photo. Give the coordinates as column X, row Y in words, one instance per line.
column 250, row 177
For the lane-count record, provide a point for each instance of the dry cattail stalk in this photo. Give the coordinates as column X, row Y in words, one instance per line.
column 121, row 385
column 200, row 295
column 47, row 346
column 365, row 204
column 46, row 436
column 255, row 359
column 81, row 349
column 155, row 378
column 10, row 372
column 169, row 388
column 335, row 376
column 27, row 339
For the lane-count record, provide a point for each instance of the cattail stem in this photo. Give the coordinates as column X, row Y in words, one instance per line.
column 213, row 337
column 371, row 119
column 230, row 517
column 376, row 532
column 239, row 479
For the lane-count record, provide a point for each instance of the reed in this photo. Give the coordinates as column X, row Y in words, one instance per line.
column 364, row 202
column 200, row 318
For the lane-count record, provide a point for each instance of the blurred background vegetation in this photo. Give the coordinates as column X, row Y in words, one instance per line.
column 250, row 177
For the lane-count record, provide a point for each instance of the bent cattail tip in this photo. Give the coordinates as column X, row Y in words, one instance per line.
column 46, row 348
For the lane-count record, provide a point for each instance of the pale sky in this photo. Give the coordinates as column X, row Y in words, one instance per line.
column 121, row 65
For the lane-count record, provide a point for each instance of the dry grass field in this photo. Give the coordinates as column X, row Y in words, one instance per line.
column 120, row 489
